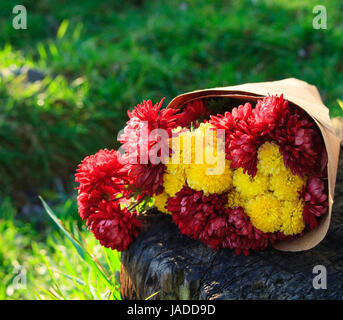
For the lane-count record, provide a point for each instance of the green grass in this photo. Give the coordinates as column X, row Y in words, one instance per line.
column 54, row 267
column 101, row 58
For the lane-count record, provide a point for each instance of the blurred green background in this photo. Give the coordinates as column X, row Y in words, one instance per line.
column 95, row 60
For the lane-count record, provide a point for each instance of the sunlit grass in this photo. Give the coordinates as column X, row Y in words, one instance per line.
column 51, row 265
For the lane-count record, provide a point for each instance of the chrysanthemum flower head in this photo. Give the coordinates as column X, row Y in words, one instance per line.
column 292, row 217
column 193, row 143
column 147, row 177
column 267, row 113
column 215, row 231
column 173, row 183
column 187, row 147
column 300, row 142
column 182, row 146
column 210, row 176
column 174, row 164
column 265, row 212
column 242, row 113
column 234, row 199
column 177, row 169
column 113, row 226
column 194, row 111
column 241, row 140
column 249, row 186
column 138, row 141
column 243, row 236
column 176, row 140
column 160, row 202
column 101, row 177
column 155, row 115
column 209, row 133
column 103, row 168
column 286, row 185
column 270, row 160
column 202, row 160
column 191, row 210
column 88, row 202
column 316, row 201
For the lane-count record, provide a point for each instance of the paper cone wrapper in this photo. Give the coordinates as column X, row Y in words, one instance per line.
column 306, row 97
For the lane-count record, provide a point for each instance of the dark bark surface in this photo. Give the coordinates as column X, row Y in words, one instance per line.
column 177, row 267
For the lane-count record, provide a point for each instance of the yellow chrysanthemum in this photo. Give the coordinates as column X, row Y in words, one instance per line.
column 176, row 169
column 213, row 175
column 234, row 199
column 160, row 202
column 270, row 161
column 173, row 183
column 175, row 157
column 175, row 164
column 249, row 186
column 209, row 135
column 292, row 217
column 185, row 144
column 199, row 160
column 286, row 185
column 191, row 141
column 265, row 212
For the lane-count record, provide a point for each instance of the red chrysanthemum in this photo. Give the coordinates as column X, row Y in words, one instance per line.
column 148, row 178
column 88, row 202
column 101, row 177
column 215, row 231
column 140, row 139
column 191, row 210
column 316, row 201
column 241, row 140
column 243, row 236
column 104, row 168
column 300, row 142
column 114, row 227
column 267, row 113
column 194, row 110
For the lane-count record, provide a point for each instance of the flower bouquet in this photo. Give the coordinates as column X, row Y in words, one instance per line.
column 240, row 167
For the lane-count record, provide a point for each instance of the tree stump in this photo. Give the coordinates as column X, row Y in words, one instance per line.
column 174, row 266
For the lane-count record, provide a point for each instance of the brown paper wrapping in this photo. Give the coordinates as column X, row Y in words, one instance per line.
column 305, row 96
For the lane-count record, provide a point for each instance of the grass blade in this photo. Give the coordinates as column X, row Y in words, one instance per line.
column 79, row 248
